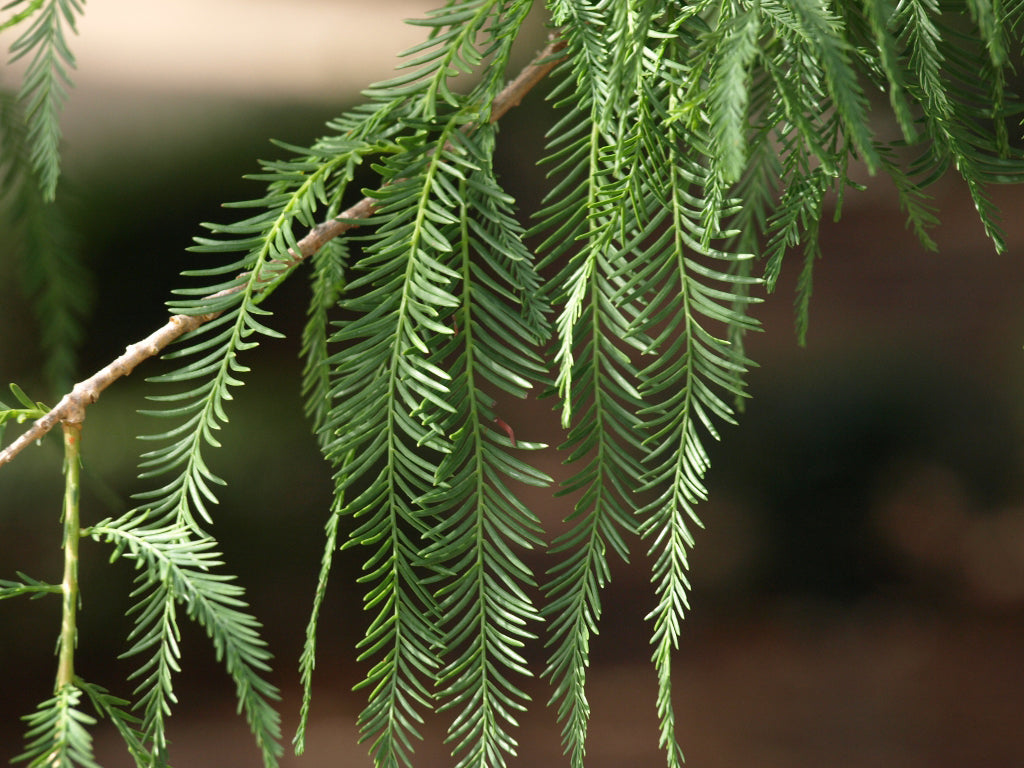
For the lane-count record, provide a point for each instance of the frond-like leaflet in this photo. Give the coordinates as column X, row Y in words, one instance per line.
column 175, row 566
column 585, row 24
column 155, row 632
column 268, row 248
column 757, row 187
column 52, row 272
column 914, row 201
column 680, row 300
column 46, row 80
column 602, row 440
column 691, row 296
column 816, row 34
column 796, row 220
column 945, row 82
column 388, row 385
column 799, row 146
column 626, row 220
column 307, row 661
column 576, row 152
column 464, row 35
column 735, row 47
column 884, row 58
column 26, row 586
column 390, row 400
column 126, row 724
column 328, row 284
column 585, row 218
column 483, row 602
column 328, row 280
column 58, row 733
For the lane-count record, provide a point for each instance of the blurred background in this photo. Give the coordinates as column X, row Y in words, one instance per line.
column 858, row 592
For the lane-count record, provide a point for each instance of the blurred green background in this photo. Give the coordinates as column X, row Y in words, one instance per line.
column 858, row 593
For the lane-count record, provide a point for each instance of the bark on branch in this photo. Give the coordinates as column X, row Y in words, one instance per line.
column 71, row 408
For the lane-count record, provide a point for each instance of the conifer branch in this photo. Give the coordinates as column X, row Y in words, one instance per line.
column 71, row 408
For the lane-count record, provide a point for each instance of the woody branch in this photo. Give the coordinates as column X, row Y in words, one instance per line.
column 71, row 408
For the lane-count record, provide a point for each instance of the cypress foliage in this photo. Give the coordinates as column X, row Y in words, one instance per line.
column 693, row 149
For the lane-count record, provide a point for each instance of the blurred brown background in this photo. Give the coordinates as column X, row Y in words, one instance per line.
column 858, row 593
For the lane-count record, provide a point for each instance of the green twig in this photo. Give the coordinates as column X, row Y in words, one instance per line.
column 69, row 585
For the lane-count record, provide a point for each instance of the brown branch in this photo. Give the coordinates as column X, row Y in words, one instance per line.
column 71, row 408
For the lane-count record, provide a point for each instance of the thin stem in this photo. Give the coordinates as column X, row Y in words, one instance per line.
column 69, row 585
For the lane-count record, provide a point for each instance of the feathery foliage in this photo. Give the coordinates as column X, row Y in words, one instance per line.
column 58, row 733
column 297, row 188
column 479, row 521
column 26, row 586
column 694, row 146
column 44, row 87
column 29, row 409
column 175, row 566
column 55, row 280
column 307, row 661
column 115, row 709
column 641, row 273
